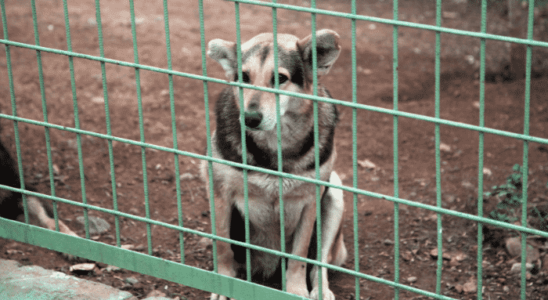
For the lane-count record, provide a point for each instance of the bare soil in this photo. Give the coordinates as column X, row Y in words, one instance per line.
column 504, row 110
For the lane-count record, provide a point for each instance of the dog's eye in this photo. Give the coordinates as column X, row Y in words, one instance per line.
column 281, row 79
column 245, row 77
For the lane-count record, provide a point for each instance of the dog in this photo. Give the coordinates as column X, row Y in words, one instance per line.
column 297, row 135
column 11, row 203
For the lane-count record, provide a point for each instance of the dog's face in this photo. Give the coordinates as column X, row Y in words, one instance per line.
column 294, row 69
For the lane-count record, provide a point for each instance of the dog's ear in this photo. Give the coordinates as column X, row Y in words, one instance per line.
column 327, row 50
column 224, row 53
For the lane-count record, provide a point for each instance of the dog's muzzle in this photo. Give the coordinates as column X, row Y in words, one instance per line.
column 253, row 119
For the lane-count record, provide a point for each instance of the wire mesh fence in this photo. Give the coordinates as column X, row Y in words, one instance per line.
column 208, row 280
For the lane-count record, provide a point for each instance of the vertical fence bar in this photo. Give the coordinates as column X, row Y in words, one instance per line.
column 437, row 150
column 395, row 146
column 107, row 118
column 174, row 132
column 14, row 113
column 244, row 143
column 279, row 142
column 76, row 118
column 355, row 153
column 45, row 113
column 316, row 148
column 480, row 150
column 525, row 168
column 141, row 127
column 208, row 135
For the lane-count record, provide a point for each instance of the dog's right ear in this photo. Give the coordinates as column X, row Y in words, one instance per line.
column 224, row 53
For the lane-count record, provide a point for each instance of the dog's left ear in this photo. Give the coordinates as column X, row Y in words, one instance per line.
column 327, row 50
column 224, row 53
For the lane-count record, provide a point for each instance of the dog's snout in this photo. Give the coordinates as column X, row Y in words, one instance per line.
column 253, row 119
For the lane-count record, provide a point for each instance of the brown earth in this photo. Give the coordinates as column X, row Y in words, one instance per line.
column 417, row 182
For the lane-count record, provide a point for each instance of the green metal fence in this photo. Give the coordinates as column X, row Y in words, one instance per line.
column 210, row 281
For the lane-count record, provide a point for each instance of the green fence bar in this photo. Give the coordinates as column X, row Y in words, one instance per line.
column 395, row 90
column 45, row 112
column 174, row 132
column 480, row 150
column 283, row 263
column 14, row 112
column 243, row 139
column 355, row 213
column 525, row 166
column 208, row 135
column 437, row 84
column 244, row 289
column 76, row 117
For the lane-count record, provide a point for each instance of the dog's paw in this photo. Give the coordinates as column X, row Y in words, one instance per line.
column 327, row 294
column 218, row 297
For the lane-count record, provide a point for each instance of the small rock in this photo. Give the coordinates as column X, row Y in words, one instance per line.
column 96, row 225
column 506, row 289
column 50, row 27
column 155, row 293
column 450, row 15
column 445, row 255
column 487, row 172
column 164, row 93
column 56, row 170
column 470, row 286
column 205, row 243
column 111, row 268
column 476, row 104
column 445, row 148
column 388, row 242
column 372, row 26
column 411, row 279
column 516, row 268
column 98, row 100
column 545, row 264
column 132, row 280
column 406, row 255
column 186, row 176
column 82, row 268
column 366, row 163
column 513, row 246
column 470, row 59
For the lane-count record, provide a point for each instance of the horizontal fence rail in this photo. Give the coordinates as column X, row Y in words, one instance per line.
column 213, row 282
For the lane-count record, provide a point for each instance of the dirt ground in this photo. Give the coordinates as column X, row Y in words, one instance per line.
column 459, row 161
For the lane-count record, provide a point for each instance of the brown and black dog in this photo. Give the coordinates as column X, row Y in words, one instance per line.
column 297, row 129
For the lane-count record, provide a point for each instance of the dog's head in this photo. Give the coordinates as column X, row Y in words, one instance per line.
column 294, row 69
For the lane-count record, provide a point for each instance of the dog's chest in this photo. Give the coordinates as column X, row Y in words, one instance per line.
column 264, row 200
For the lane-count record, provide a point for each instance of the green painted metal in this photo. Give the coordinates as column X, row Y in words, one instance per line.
column 480, row 150
column 45, row 112
column 283, row 262
column 174, row 132
column 395, row 64
column 355, row 213
column 76, row 117
column 178, row 272
column 437, row 84
column 525, row 164
column 243, row 139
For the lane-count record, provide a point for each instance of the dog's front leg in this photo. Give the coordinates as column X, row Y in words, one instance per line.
column 333, row 249
column 296, row 270
column 225, row 255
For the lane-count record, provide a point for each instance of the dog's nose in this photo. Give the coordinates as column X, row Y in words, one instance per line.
column 253, row 119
